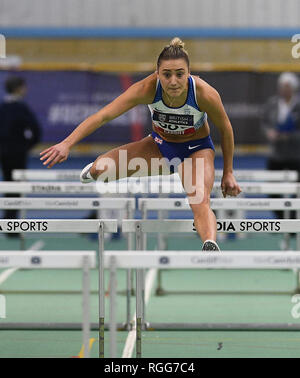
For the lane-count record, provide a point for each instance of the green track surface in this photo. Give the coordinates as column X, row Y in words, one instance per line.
column 191, row 296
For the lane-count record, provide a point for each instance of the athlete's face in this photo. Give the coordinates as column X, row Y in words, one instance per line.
column 173, row 76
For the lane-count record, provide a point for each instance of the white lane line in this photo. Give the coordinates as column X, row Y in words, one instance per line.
column 4, row 275
column 131, row 338
column 8, row 272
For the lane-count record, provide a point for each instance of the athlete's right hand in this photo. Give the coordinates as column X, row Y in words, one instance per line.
column 55, row 154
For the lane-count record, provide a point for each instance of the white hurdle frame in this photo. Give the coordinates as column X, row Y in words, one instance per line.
column 172, row 204
column 50, row 203
column 84, row 260
column 193, row 260
column 71, row 226
column 141, row 227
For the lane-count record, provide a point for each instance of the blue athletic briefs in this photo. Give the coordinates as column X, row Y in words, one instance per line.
column 183, row 150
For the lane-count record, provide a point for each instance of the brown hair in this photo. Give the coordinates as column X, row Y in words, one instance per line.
column 175, row 50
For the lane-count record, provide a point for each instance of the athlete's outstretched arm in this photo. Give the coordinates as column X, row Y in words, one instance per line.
column 210, row 101
column 138, row 93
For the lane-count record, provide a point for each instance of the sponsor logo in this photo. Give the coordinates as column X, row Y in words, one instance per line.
column 4, row 260
column 29, row 226
column 192, row 147
column 249, row 226
column 164, row 260
column 17, row 203
column 36, row 260
column 161, row 117
column 45, row 188
column 210, row 260
column 61, row 203
column 277, row 260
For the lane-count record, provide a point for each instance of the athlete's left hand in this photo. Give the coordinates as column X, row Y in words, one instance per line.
column 229, row 185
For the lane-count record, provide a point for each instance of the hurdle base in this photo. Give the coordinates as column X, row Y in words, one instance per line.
column 160, row 291
column 222, row 326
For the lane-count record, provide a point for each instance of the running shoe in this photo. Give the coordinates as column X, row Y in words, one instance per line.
column 210, row 245
column 85, row 176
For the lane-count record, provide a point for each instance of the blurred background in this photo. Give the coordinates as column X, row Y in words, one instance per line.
column 78, row 55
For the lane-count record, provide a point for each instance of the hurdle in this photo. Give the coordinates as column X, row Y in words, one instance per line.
column 84, row 260
column 194, row 260
column 48, row 203
column 74, row 174
column 127, row 204
column 70, row 226
column 171, row 204
column 141, row 227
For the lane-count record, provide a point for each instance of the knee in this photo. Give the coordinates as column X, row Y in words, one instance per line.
column 104, row 169
column 199, row 209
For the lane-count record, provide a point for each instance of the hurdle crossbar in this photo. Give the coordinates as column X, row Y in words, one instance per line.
column 53, row 225
column 73, row 174
column 223, row 225
column 142, row 185
column 46, row 259
column 195, row 260
column 218, row 203
column 67, row 203
column 84, row 260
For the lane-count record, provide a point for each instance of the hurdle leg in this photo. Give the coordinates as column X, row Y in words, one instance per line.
column 23, row 214
column 140, row 274
column 286, row 236
column 139, row 314
column 101, row 289
column 113, row 305
column 162, row 245
column 129, row 275
column 159, row 289
column 298, row 248
column 86, row 305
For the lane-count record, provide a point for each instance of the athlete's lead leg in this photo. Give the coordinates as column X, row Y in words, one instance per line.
column 197, row 175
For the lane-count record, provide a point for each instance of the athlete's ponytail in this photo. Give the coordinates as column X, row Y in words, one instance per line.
column 175, row 50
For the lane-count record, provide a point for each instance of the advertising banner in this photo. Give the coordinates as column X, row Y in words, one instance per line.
column 63, row 99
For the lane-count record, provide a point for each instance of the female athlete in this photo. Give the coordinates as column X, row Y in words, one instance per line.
column 179, row 104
